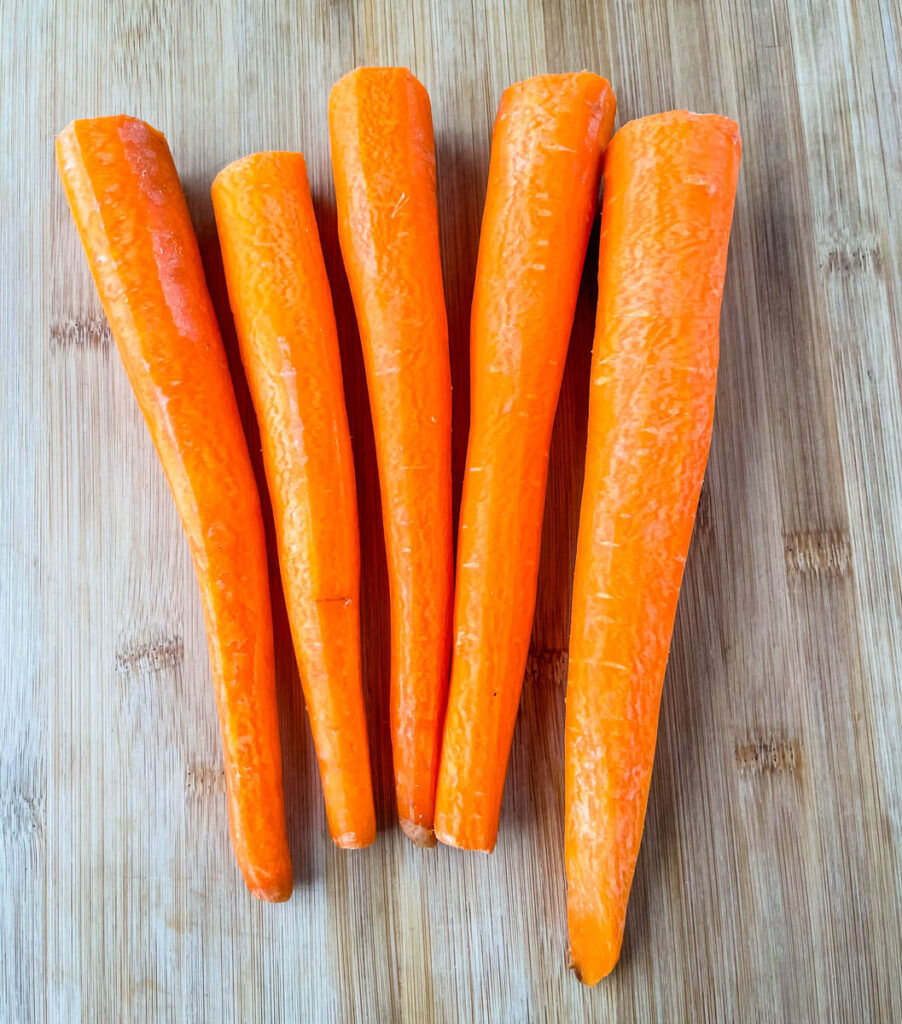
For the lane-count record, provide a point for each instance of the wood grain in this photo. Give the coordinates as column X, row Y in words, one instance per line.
column 770, row 880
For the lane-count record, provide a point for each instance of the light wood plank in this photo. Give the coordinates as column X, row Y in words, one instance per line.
column 769, row 884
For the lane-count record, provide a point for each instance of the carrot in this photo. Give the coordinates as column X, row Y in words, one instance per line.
column 384, row 165
column 670, row 182
column 549, row 136
column 280, row 297
column 131, row 215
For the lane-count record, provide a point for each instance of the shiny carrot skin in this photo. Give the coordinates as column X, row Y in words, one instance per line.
column 134, row 224
column 282, row 305
column 547, row 146
column 384, row 165
column 669, row 187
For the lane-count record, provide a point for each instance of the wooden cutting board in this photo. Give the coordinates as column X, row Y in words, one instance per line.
column 770, row 879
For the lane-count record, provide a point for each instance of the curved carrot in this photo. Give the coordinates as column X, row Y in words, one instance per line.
column 384, row 164
column 549, row 136
column 280, row 297
column 131, row 215
column 669, row 185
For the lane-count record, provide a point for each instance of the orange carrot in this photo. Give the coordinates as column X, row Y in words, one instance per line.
column 670, row 182
column 384, row 165
column 549, row 137
column 280, row 297
column 131, row 215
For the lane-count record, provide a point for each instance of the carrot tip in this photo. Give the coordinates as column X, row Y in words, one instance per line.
column 419, row 835
column 591, row 979
column 581, row 978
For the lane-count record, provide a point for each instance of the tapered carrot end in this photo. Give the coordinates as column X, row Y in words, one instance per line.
column 591, row 965
column 591, row 977
column 419, row 835
column 596, row 936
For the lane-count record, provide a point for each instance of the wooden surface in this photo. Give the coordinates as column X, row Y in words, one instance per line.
column 770, row 880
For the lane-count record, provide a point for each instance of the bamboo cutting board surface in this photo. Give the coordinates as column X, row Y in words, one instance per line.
column 769, row 884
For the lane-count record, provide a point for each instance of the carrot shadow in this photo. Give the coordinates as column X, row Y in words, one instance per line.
column 300, row 774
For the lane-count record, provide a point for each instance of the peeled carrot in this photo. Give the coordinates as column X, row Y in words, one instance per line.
column 282, row 305
column 131, row 215
column 670, row 182
column 384, row 165
column 549, row 137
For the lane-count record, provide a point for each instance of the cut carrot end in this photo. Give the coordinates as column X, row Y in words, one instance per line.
column 447, row 839
column 386, row 71
column 419, row 835
column 670, row 118
column 110, row 121
column 266, row 158
column 351, row 841
column 275, row 894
